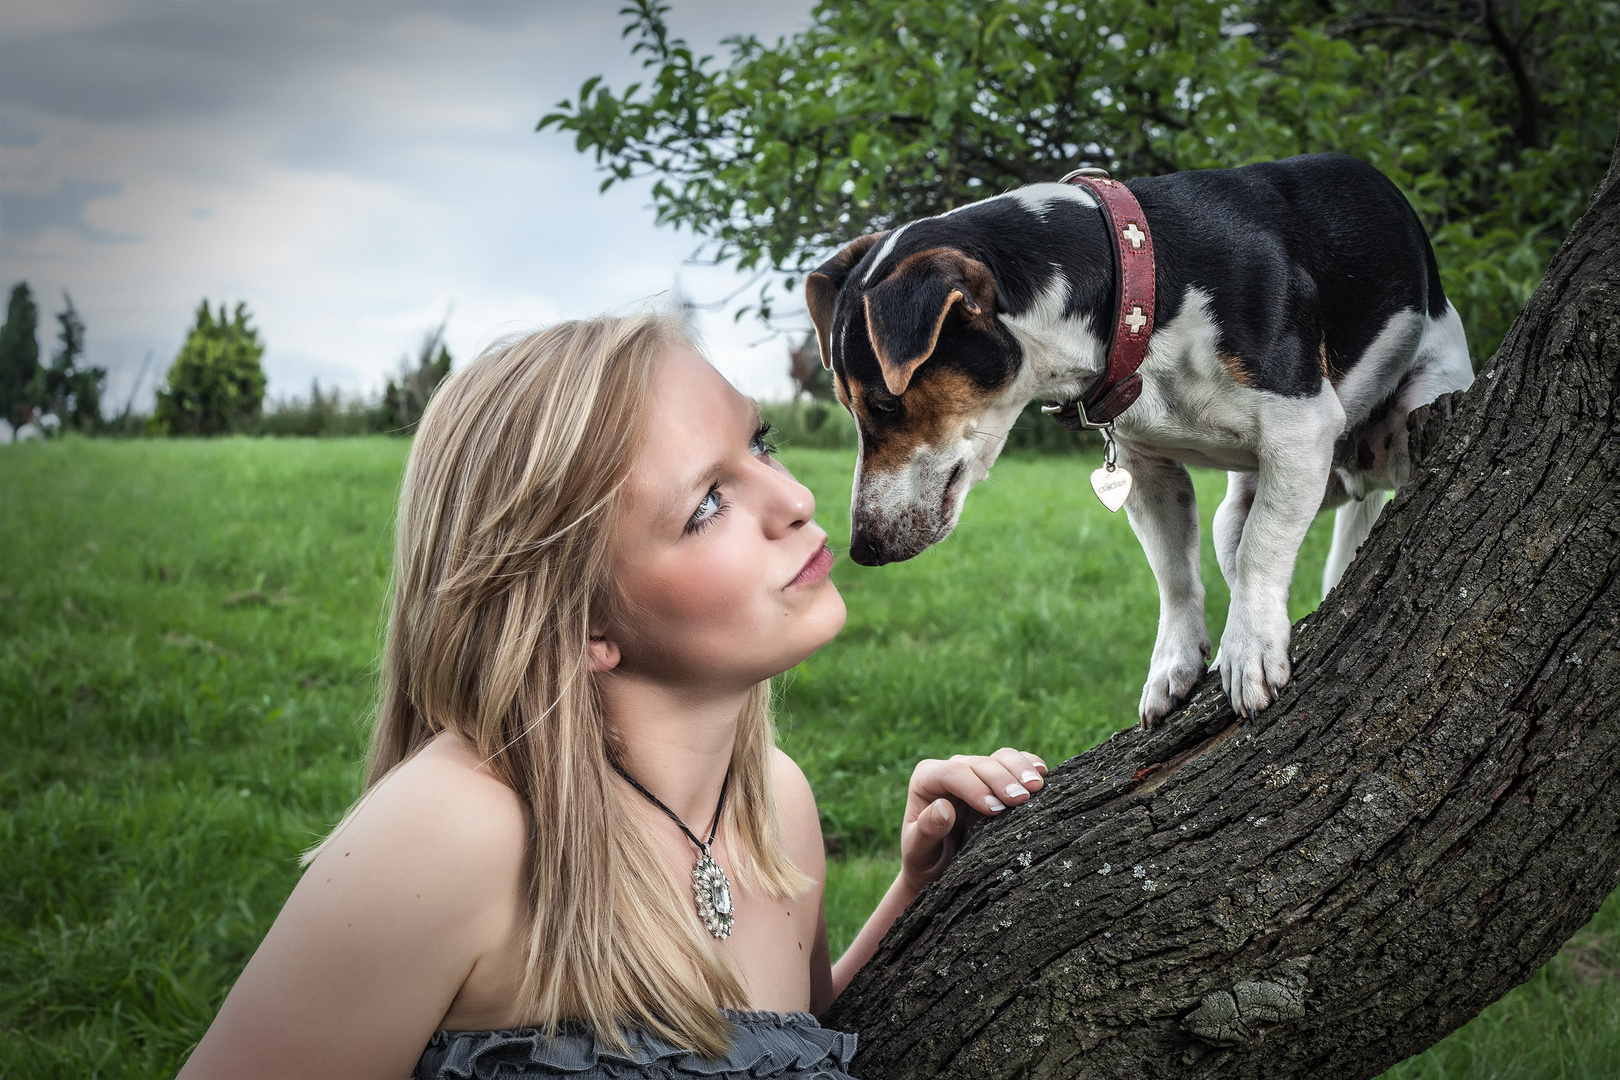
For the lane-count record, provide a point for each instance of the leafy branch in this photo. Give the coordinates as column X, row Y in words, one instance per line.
column 886, row 110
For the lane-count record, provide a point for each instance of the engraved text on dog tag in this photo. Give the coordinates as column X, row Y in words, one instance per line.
column 1112, row 485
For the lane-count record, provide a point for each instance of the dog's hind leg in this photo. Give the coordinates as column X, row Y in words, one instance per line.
column 1441, row 366
column 1163, row 511
column 1351, row 524
column 1378, row 445
column 1229, row 519
column 1295, row 458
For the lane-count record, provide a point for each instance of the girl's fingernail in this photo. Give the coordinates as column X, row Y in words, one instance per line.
column 941, row 814
column 1030, row 776
column 1015, row 791
column 996, row 805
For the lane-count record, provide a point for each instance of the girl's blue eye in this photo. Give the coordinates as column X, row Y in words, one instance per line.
column 712, row 505
column 706, row 510
column 761, row 444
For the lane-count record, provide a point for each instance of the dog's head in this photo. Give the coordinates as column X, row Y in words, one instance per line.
column 924, row 364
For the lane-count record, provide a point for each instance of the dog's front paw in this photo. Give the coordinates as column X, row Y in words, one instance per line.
column 1171, row 677
column 1253, row 662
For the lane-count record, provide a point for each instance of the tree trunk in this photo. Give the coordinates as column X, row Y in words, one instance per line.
column 1428, row 813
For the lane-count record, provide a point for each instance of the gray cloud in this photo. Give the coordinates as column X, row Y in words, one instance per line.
column 144, row 61
column 26, row 216
column 352, row 170
column 134, row 62
column 14, row 132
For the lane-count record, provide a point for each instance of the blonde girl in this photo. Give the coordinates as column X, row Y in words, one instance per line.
column 600, row 565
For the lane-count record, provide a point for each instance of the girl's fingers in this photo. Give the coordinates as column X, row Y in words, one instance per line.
column 994, row 787
column 1029, row 769
column 938, row 818
column 955, row 778
column 925, row 843
column 986, row 785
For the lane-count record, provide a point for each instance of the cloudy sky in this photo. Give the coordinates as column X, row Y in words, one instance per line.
column 354, row 171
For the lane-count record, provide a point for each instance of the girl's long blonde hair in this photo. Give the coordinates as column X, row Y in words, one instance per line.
column 502, row 560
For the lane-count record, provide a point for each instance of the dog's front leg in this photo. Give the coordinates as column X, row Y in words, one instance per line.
column 1163, row 511
column 1288, row 487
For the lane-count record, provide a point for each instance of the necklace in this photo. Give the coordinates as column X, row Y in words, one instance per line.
column 711, row 889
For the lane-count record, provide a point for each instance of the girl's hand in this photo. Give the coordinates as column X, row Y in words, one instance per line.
column 947, row 796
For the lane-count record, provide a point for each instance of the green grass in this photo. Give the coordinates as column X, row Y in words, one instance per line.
column 187, row 634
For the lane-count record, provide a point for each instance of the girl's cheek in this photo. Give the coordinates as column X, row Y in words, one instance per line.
column 705, row 587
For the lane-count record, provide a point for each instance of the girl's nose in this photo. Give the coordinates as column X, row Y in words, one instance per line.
column 791, row 504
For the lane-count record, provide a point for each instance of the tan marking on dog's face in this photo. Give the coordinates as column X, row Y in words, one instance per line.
column 936, row 412
column 916, row 467
column 1234, row 367
column 841, row 392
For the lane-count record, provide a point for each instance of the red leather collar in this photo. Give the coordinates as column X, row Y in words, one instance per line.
column 1120, row 383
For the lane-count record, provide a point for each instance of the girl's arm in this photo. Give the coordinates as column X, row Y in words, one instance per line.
column 380, row 933
column 944, row 798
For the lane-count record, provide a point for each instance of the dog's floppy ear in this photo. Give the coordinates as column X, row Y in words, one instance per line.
column 905, row 314
column 821, row 289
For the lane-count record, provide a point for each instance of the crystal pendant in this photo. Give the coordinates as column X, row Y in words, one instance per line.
column 712, row 890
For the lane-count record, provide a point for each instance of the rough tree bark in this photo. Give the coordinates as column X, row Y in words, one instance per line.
column 1429, row 812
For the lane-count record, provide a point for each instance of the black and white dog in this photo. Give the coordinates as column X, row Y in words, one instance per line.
column 1300, row 319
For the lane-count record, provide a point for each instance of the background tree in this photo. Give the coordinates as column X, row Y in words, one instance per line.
column 19, row 355
column 1495, row 123
column 406, row 397
column 217, row 381
column 809, row 377
column 64, row 388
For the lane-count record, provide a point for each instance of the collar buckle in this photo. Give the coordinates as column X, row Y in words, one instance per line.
column 1072, row 415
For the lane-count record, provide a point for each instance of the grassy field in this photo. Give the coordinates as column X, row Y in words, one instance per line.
column 187, row 633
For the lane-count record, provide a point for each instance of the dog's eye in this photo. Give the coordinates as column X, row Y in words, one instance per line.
column 883, row 404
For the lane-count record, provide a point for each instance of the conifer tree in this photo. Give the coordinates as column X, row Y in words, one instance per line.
column 71, row 392
column 406, row 397
column 19, row 355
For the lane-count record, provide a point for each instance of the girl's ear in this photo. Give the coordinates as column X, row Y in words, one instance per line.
column 604, row 654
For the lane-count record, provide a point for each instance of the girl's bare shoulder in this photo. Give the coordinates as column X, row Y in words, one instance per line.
column 445, row 801
column 801, row 821
column 376, row 941
column 442, row 832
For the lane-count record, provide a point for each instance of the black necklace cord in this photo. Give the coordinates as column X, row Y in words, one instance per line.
column 714, row 826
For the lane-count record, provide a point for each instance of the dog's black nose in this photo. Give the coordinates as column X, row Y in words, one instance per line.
column 863, row 551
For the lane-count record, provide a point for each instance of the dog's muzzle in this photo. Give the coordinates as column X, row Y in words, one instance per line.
column 890, row 526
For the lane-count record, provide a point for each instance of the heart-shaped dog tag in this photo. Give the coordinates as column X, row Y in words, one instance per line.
column 1113, row 486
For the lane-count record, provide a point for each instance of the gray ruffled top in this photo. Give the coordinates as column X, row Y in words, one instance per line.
column 790, row 1046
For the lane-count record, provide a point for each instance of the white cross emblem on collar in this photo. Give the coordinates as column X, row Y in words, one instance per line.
column 1134, row 235
column 1136, row 320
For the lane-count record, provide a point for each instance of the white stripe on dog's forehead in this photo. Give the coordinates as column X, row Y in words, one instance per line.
column 1039, row 196
column 884, row 252
column 1034, row 197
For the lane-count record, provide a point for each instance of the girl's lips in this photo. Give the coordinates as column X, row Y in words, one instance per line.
column 817, row 568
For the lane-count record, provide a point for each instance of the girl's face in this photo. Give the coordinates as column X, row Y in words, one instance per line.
column 724, row 573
